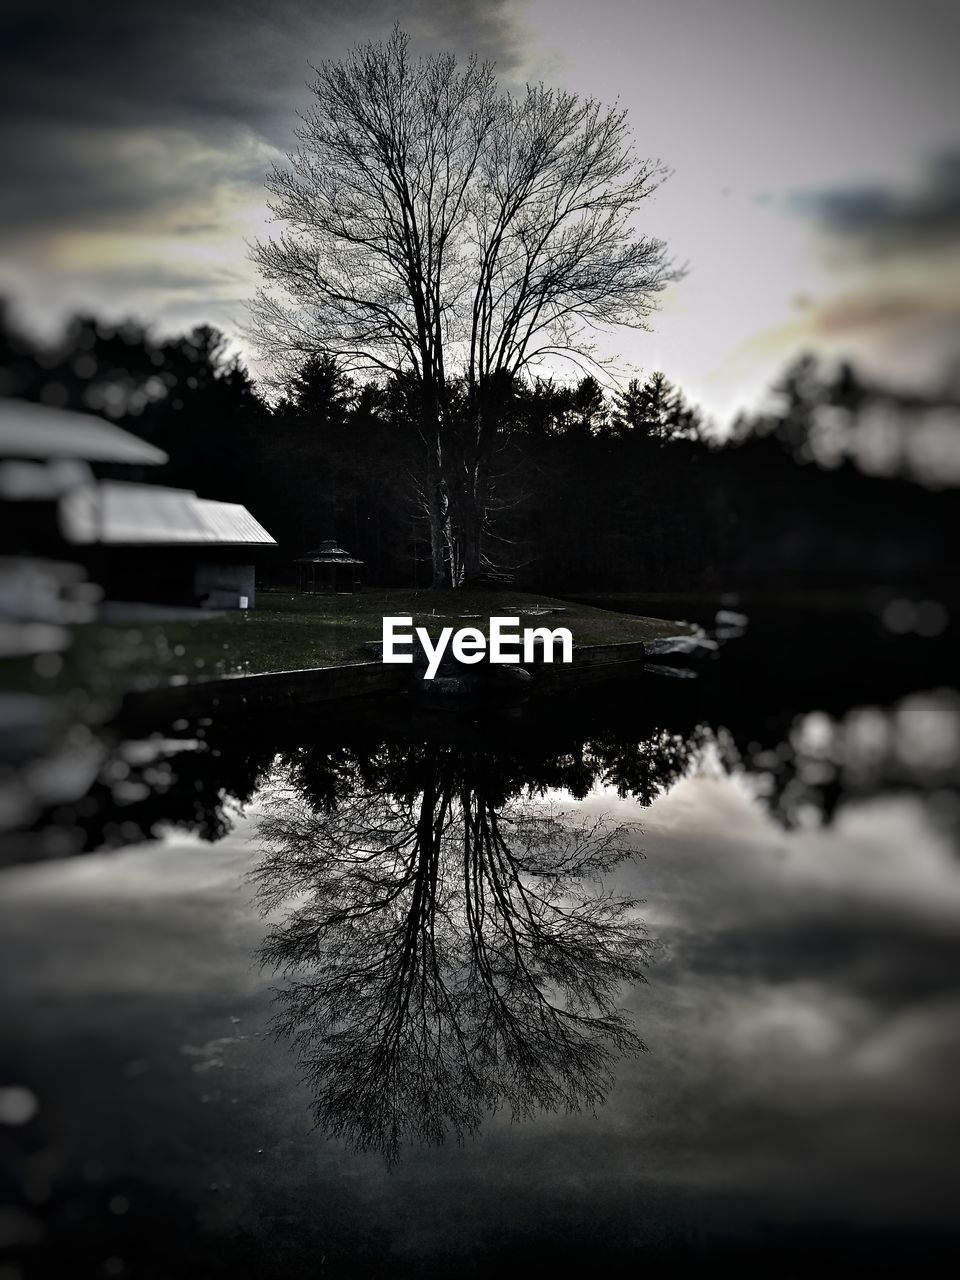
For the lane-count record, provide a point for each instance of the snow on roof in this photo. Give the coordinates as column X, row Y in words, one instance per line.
column 118, row 512
column 37, row 431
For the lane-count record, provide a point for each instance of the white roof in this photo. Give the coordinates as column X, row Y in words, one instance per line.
column 37, row 431
column 121, row 513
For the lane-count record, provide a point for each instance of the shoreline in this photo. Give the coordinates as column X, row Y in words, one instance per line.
column 273, row 690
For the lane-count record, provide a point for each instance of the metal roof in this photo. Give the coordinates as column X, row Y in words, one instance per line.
column 37, row 431
column 121, row 513
column 231, row 522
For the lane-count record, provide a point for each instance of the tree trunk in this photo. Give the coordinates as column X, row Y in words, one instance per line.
column 437, row 498
column 472, row 522
column 475, row 494
column 437, row 508
column 438, row 540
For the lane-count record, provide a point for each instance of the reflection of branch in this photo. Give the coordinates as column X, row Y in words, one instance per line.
column 443, row 958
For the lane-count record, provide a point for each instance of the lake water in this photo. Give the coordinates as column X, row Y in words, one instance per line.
column 660, row 974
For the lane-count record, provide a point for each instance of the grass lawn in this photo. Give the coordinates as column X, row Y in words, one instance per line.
column 290, row 632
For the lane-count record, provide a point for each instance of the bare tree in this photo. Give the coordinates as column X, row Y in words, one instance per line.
column 443, row 955
column 438, row 227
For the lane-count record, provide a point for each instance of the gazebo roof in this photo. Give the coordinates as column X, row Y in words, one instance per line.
column 328, row 553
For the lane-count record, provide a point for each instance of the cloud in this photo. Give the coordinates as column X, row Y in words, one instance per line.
column 78, row 177
column 889, row 219
column 149, row 129
column 891, row 257
column 137, row 63
column 81, row 86
column 802, row 1033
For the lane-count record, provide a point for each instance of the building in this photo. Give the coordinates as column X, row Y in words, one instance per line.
column 138, row 542
column 166, row 546
column 46, row 454
column 328, row 569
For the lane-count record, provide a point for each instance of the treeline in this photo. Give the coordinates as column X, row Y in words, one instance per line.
column 591, row 490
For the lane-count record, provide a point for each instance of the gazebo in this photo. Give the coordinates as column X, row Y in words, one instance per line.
column 328, row 569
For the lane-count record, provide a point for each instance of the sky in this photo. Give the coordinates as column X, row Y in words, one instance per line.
column 814, row 196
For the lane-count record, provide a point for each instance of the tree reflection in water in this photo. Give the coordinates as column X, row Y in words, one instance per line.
column 447, row 947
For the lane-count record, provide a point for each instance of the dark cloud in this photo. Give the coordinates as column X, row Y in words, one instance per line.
column 884, row 218
column 867, row 951
column 137, row 63
column 898, row 314
column 125, row 108
column 76, row 176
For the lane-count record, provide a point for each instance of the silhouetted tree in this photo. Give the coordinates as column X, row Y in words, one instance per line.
column 587, row 494
column 440, row 228
column 655, row 409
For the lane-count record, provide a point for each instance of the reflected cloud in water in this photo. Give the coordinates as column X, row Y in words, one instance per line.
column 453, row 909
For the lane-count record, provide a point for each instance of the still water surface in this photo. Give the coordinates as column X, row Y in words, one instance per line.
column 665, row 972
